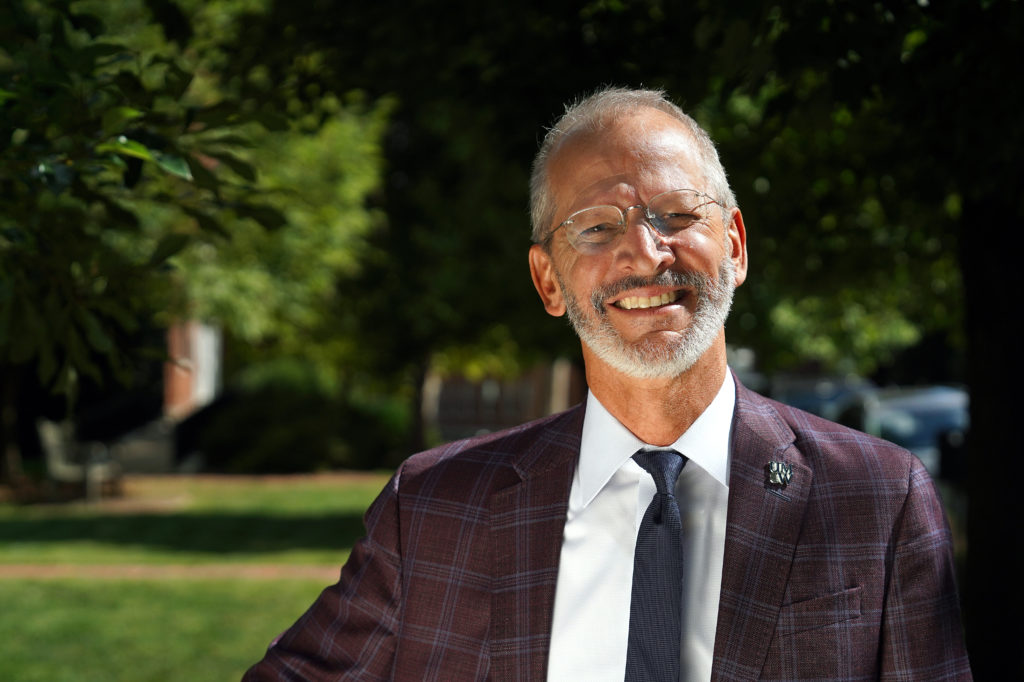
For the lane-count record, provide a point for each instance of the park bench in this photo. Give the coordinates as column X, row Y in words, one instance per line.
column 85, row 465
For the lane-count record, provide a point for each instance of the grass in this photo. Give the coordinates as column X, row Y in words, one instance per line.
column 183, row 520
column 188, row 627
column 142, row 630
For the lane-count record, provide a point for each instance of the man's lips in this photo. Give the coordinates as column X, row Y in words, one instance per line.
column 655, row 301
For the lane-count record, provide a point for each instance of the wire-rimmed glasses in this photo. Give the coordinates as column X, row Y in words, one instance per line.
column 597, row 228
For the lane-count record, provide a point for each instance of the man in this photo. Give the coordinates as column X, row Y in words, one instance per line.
column 787, row 548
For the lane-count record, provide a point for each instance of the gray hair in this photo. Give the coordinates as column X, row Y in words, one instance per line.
column 598, row 111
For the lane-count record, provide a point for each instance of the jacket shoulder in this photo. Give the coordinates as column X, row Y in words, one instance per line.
column 826, row 444
column 503, row 457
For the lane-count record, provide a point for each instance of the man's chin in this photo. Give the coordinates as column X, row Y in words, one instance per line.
column 646, row 359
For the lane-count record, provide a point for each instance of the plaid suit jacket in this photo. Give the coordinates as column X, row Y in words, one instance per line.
column 843, row 574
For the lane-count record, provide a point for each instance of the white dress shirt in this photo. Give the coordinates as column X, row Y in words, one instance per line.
column 609, row 495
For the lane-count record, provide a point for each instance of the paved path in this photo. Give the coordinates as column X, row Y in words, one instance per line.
column 326, row 574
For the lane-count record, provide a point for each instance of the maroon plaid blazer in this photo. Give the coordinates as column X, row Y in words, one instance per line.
column 844, row 574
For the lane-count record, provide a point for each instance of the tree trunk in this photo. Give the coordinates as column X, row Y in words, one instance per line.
column 418, row 427
column 11, row 473
column 993, row 589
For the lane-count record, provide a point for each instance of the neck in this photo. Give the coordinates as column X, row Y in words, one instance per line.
column 658, row 411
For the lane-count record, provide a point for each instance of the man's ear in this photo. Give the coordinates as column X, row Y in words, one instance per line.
column 737, row 242
column 542, row 270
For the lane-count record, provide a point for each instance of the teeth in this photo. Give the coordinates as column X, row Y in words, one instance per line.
column 644, row 302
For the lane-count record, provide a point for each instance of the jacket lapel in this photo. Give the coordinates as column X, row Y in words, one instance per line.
column 763, row 525
column 527, row 522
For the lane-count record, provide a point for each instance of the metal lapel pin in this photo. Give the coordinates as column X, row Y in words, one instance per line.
column 778, row 474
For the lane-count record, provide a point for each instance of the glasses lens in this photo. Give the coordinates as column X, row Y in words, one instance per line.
column 594, row 226
column 678, row 210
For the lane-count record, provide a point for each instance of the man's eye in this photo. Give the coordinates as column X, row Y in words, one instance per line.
column 598, row 232
column 674, row 222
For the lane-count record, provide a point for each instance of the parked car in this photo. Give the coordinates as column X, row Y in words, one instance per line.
column 820, row 395
column 929, row 421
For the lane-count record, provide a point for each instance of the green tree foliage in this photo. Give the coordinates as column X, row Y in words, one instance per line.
column 96, row 134
column 811, row 147
column 873, row 147
column 847, row 268
column 130, row 194
column 276, row 291
column 854, row 238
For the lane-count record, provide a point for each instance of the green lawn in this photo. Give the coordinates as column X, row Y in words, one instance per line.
column 184, row 520
column 185, row 628
column 142, row 630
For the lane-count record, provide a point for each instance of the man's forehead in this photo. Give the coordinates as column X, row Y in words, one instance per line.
column 643, row 145
column 644, row 137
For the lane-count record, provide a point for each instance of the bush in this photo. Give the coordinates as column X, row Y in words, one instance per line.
column 283, row 417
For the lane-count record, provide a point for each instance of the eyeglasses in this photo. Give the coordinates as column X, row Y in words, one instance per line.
column 598, row 228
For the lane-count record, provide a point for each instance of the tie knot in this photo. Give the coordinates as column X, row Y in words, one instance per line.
column 664, row 465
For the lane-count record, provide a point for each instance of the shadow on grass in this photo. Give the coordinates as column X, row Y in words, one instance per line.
column 215, row 533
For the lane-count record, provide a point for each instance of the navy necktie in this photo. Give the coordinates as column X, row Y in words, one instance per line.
column 655, row 611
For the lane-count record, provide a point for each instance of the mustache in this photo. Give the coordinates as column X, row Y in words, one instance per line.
column 694, row 280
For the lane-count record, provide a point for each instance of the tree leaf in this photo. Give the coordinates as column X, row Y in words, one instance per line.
column 31, row 334
column 268, row 217
column 222, row 114
column 272, row 121
column 207, row 222
column 97, row 51
column 202, row 177
column 115, row 119
column 127, row 147
column 118, row 215
column 168, row 246
column 90, row 23
column 47, row 365
column 121, row 314
column 175, row 165
column 97, row 337
column 243, row 168
column 132, row 88
column 176, row 79
column 78, row 357
column 234, row 140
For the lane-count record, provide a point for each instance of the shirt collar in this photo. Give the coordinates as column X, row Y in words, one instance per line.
column 606, row 444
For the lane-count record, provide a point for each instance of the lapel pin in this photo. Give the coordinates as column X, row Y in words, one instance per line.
column 778, row 474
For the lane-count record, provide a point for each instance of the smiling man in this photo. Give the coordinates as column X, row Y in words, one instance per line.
column 676, row 526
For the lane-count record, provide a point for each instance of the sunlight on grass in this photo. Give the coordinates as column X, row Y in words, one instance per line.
column 96, row 553
column 193, row 520
column 189, row 624
column 139, row 631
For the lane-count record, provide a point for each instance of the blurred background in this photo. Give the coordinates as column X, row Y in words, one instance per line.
column 253, row 253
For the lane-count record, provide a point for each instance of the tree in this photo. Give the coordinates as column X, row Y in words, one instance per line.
column 871, row 145
column 97, row 135
column 469, row 103
column 906, row 105
column 276, row 291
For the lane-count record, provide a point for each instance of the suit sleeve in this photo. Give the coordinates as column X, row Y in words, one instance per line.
column 922, row 637
column 349, row 632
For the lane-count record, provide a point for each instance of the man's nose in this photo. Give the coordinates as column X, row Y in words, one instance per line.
column 642, row 248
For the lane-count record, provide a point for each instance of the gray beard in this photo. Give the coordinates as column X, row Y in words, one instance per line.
column 648, row 359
